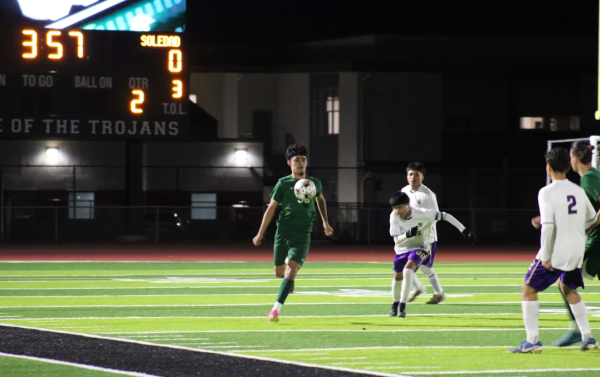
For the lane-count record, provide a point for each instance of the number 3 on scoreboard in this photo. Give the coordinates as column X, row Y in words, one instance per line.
column 177, row 88
column 139, row 94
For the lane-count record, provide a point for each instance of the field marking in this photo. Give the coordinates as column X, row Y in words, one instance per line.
column 337, row 330
column 356, row 293
column 249, row 275
column 49, row 319
column 510, row 371
column 378, row 347
column 84, row 366
column 251, row 357
column 65, row 279
column 268, row 304
column 254, row 286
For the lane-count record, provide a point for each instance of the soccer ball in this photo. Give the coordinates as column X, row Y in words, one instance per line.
column 305, row 190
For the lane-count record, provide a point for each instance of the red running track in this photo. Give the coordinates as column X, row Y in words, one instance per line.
column 249, row 253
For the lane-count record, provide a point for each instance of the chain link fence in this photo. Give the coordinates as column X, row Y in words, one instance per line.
column 352, row 224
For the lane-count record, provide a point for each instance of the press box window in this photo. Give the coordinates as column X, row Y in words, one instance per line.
column 81, row 205
column 204, row 206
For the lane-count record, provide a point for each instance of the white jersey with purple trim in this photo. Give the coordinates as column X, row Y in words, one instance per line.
column 565, row 205
column 424, row 198
column 423, row 218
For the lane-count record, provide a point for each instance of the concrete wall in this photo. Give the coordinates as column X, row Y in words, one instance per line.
column 109, row 160
column 402, row 116
column 293, row 110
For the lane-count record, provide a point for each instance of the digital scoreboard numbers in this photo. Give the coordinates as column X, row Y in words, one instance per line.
column 90, row 84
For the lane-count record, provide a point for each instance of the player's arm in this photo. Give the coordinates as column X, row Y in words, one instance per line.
column 546, row 205
column 592, row 218
column 267, row 218
column 322, row 206
column 445, row 216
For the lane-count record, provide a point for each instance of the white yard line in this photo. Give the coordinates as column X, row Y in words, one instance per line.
column 262, row 317
column 492, row 371
column 248, row 275
column 338, row 330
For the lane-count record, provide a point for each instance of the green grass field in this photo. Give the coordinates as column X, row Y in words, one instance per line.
column 338, row 315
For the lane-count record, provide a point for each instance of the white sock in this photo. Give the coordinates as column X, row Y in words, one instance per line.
column 416, row 282
column 531, row 311
column 396, row 285
column 277, row 306
column 580, row 314
column 406, row 284
column 433, row 279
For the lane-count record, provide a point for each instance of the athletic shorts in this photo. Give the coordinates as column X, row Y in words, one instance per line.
column 291, row 245
column 417, row 255
column 539, row 278
column 428, row 262
column 591, row 261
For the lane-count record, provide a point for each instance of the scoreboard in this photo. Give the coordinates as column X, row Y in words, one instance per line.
column 93, row 84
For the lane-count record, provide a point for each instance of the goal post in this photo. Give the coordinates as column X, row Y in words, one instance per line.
column 594, row 140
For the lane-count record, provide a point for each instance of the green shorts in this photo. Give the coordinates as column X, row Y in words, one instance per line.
column 292, row 245
column 591, row 260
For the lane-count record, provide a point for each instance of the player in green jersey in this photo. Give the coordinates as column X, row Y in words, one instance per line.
column 292, row 239
column 581, row 162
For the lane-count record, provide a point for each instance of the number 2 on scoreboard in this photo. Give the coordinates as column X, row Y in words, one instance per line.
column 138, row 100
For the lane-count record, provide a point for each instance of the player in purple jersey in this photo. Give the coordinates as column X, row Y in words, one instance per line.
column 565, row 214
column 411, row 229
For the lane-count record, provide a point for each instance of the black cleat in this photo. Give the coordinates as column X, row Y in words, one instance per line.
column 402, row 310
column 394, row 309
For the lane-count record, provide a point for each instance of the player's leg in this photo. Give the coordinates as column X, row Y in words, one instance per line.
column 591, row 260
column 415, row 257
column 427, row 267
column 418, row 289
column 537, row 279
column 572, row 336
column 569, row 282
column 280, row 252
column 591, row 269
column 399, row 263
column 298, row 245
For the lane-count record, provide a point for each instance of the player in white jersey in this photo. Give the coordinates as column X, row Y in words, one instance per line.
column 565, row 214
column 411, row 229
column 421, row 196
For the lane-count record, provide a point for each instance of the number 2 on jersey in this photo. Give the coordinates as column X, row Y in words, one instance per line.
column 572, row 204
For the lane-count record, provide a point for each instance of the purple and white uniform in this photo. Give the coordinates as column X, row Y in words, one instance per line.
column 416, row 248
column 426, row 199
column 565, row 214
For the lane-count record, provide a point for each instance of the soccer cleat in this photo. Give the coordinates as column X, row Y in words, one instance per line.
column 437, row 298
column 415, row 293
column 394, row 309
column 527, row 347
column 568, row 339
column 402, row 310
column 589, row 344
column 273, row 316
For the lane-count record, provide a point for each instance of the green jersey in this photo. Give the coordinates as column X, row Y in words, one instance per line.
column 590, row 183
column 295, row 215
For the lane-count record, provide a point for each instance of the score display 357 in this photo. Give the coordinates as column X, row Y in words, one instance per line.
column 96, row 59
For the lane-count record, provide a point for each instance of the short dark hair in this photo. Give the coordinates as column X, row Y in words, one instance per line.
column 558, row 159
column 416, row 166
column 583, row 151
column 294, row 150
column 399, row 198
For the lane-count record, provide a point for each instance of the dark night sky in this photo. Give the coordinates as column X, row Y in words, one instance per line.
column 273, row 22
